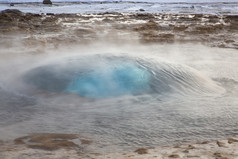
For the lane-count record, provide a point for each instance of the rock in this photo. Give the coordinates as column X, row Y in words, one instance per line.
column 229, row 41
column 177, row 146
column 205, row 142
column 220, row 144
column 50, row 14
column 9, row 17
column 84, row 141
column 193, row 156
column 11, row 4
column 12, row 11
column 47, row 2
column 217, row 154
column 142, row 151
column 191, row 147
column 174, row 156
column 142, row 10
column 231, row 140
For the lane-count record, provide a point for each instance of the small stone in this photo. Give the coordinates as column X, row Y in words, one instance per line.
column 14, row 12
column 193, row 156
column 177, row 146
column 217, row 154
column 50, row 14
column 142, row 151
column 205, row 142
column 174, row 156
column 220, row 144
column 84, row 141
column 47, row 2
column 142, row 10
column 231, row 140
column 191, row 147
column 229, row 41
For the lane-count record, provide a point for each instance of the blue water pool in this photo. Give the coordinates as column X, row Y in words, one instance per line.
column 109, row 77
column 111, row 81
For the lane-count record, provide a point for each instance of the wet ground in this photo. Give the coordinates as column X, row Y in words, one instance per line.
column 51, row 31
column 216, row 7
column 205, row 42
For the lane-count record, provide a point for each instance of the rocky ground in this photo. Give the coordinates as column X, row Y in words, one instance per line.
column 38, row 33
column 72, row 146
column 54, row 30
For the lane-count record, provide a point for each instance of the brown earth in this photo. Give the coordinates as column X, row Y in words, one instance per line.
column 223, row 149
column 50, row 141
column 54, row 30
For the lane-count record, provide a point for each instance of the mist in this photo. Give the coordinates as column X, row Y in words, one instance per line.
column 37, row 110
column 124, row 79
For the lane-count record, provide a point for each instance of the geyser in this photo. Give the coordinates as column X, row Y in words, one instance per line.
column 111, row 81
column 101, row 76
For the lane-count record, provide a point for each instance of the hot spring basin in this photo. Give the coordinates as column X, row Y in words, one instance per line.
column 109, row 76
column 111, row 81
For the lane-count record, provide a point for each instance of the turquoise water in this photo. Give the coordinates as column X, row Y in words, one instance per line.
column 110, row 77
column 111, row 82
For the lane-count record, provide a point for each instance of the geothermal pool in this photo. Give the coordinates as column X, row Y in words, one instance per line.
column 103, row 76
column 141, row 96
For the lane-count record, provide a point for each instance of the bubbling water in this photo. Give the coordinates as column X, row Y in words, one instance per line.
column 115, row 76
column 111, row 82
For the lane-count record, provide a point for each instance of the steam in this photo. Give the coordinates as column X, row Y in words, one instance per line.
column 38, row 110
column 15, row 64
